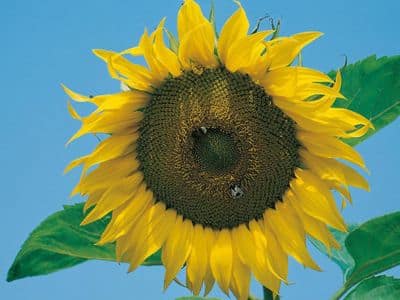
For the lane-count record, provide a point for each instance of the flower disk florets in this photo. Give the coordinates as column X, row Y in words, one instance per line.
column 204, row 133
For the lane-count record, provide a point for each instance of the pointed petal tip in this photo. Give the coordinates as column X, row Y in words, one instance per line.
column 162, row 22
column 103, row 54
column 318, row 34
column 67, row 90
column 237, row 2
column 166, row 285
column 87, row 220
column 316, row 268
column 69, row 141
column 84, row 222
column 67, row 170
column 315, row 34
column 97, row 52
column 131, row 268
column 101, row 242
column 341, row 96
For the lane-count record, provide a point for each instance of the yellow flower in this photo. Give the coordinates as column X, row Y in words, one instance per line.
column 222, row 154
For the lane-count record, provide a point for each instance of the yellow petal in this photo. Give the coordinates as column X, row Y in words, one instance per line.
column 180, row 238
column 93, row 198
column 282, row 52
column 316, row 89
column 278, row 259
column 244, row 244
column 312, row 226
column 290, row 81
column 189, row 16
column 327, row 101
column 73, row 112
column 331, row 169
column 289, row 231
column 330, row 147
column 352, row 177
column 108, row 122
column 240, row 282
column 209, row 280
column 80, row 98
column 133, row 100
column 198, row 260
column 110, row 148
column 125, row 216
column 245, row 54
column 114, row 197
column 106, row 174
column 132, row 247
column 261, row 268
column 197, row 47
column 316, row 200
column 349, row 120
column 133, row 75
column 160, row 231
column 158, row 70
column 221, row 259
column 166, row 56
column 341, row 188
column 308, row 120
column 316, row 118
column 325, row 168
column 76, row 163
column 235, row 28
column 156, row 230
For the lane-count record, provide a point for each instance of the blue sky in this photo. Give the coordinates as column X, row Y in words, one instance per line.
column 45, row 43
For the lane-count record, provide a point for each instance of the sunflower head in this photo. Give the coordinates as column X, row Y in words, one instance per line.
column 223, row 154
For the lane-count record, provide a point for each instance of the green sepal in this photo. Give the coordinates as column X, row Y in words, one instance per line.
column 60, row 242
column 211, row 18
column 372, row 89
column 172, row 40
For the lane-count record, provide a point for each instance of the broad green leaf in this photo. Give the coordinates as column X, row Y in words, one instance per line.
column 376, row 288
column 372, row 88
column 340, row 256
column 374, row 246
column 60, row 242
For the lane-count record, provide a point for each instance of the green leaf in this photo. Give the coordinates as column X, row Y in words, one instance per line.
column 376, row 288
column 374, row 246
column 340, row 256
column 60, row 242
column 372, row 87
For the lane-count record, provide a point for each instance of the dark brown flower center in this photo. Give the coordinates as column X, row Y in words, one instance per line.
column 216, row 149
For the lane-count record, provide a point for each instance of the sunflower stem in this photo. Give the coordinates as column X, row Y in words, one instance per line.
column 269, row 295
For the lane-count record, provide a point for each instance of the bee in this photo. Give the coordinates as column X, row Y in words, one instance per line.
column 236, row 191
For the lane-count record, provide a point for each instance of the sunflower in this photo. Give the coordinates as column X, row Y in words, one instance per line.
column 221, row 152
